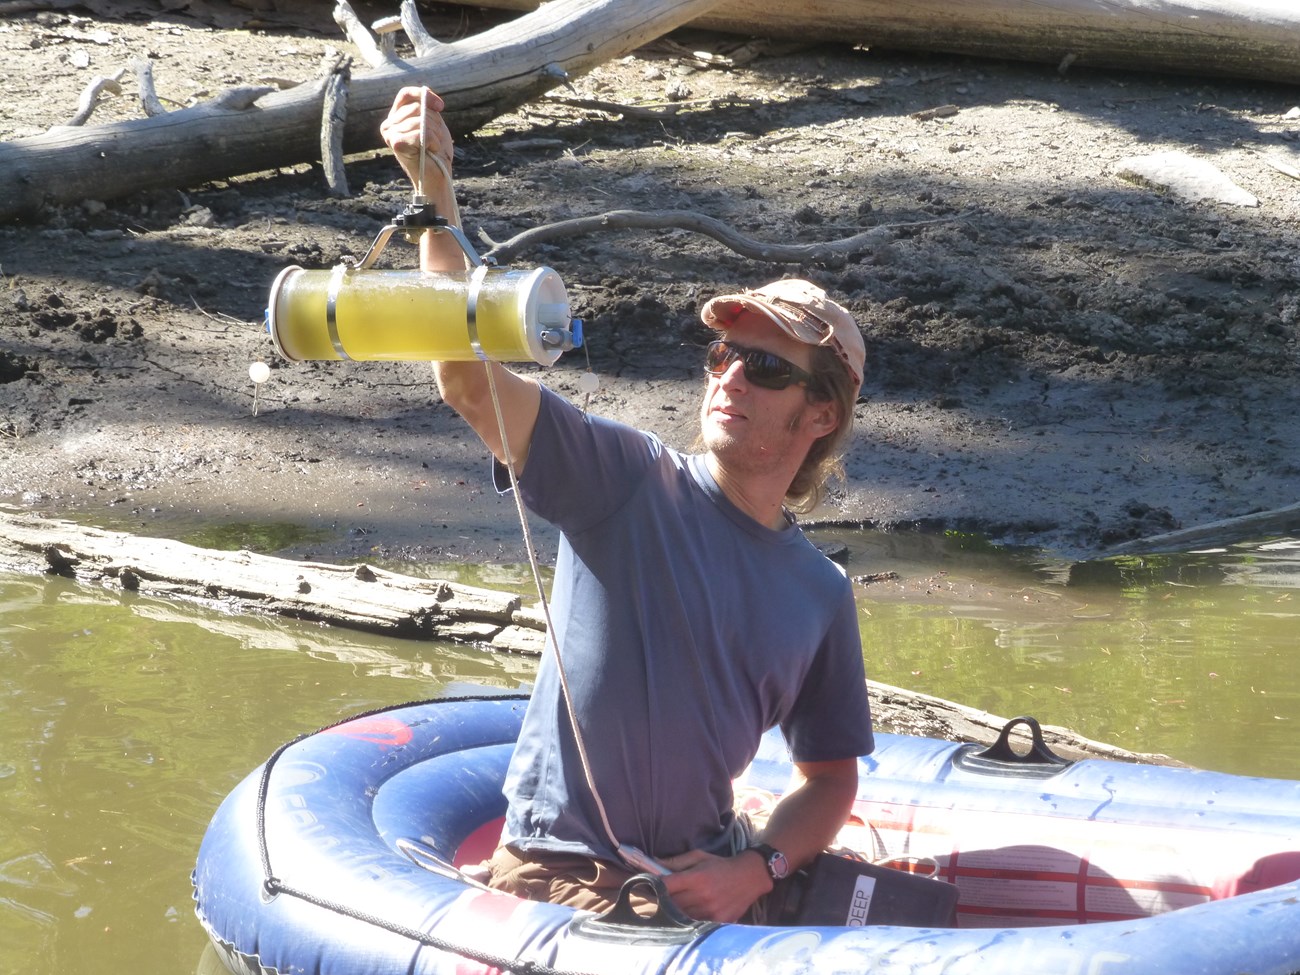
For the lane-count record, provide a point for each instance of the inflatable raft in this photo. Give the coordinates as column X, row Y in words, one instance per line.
column 341, row 855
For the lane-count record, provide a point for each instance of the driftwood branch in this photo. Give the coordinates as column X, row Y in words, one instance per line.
column 254, row 130
column 823, row 252
column 376, row 53
column 386, row 30
column 90, row 96
column 907, row 712
column 149, row 99
column 424, row 42
column 334, row 116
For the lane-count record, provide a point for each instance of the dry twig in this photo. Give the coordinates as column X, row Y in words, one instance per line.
column 149, row 100
column 90, row 96
column 372, row 51
column 656, row 110
column 824, row 252
column 334, row 116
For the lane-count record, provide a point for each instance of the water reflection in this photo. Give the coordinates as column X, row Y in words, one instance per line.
column 1273, row 565
column 1191, row 655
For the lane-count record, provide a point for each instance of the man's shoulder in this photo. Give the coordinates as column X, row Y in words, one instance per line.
column 571, row 422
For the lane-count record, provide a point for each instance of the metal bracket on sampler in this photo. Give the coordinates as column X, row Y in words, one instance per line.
column 415, row 220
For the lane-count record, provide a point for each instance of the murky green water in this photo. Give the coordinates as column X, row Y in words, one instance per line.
column 125, row 721
column 1196, row 656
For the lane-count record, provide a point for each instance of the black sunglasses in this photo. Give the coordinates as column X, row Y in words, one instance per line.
column 765, row 369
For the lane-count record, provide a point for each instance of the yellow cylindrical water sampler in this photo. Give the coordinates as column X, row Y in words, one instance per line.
column 369, row 314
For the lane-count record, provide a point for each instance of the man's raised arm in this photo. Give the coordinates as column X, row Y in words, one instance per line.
column 464, row 385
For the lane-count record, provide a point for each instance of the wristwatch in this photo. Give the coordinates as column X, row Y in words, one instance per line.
column 778, row 867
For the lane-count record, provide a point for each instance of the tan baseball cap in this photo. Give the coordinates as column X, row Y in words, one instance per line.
column 801, row 310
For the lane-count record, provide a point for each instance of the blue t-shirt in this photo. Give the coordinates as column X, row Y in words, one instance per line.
column 686, row 629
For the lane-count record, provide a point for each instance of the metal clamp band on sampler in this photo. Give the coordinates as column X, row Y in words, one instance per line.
column 476, row 279
column 331, row 303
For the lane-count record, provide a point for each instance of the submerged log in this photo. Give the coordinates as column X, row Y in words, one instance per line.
column 1260, row 524
column 1228, row 38
column 359, row 597
column 362, row 597
column 905, row 712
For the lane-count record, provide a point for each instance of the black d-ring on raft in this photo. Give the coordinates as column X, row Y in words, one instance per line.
column 622, row 923
column 1000, row 758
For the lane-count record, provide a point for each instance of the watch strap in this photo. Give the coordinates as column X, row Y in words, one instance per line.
column 778, row 868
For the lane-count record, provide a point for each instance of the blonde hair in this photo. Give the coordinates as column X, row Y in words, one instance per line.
column 824, row 459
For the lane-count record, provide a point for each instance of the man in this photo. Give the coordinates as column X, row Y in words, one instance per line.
column 690, row 612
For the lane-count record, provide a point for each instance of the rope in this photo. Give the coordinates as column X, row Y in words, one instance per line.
column 484, row 958
column 551, row 639
column 418, row 188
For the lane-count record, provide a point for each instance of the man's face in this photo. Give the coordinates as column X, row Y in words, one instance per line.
column 748, row 426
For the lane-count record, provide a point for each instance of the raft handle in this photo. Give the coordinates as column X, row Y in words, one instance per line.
column 1001, row 758
column 666, row 925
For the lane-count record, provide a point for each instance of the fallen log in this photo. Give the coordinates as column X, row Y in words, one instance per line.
column 1261, row 524
column 362, row 597
column 241, row 132
column 358, row 597
column 1258, row 39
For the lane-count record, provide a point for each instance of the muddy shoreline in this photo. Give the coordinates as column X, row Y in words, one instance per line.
column 1058, row 357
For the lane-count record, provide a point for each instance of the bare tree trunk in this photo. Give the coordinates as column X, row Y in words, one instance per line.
column 246, row 132
column 1231, row 38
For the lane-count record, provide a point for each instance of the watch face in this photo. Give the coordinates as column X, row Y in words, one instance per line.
column 778, row 866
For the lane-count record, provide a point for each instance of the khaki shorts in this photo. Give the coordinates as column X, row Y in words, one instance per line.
column 560, row 878
column 574, row 880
